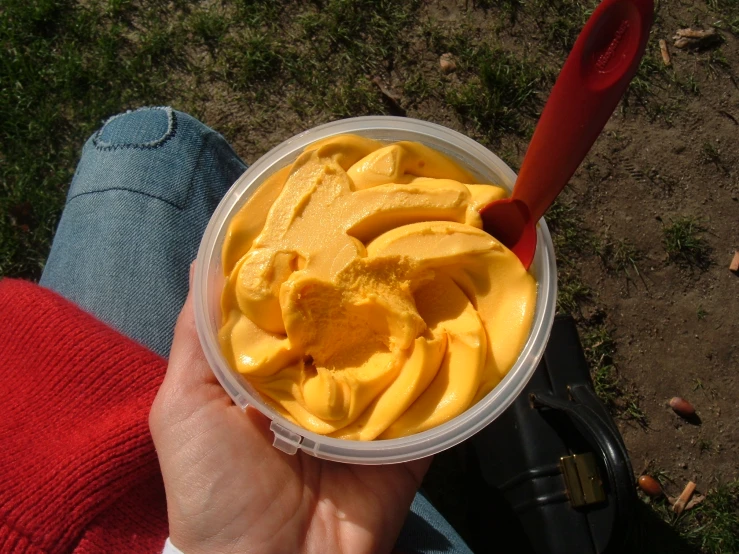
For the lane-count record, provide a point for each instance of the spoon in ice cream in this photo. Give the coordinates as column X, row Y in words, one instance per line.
column 603, row 61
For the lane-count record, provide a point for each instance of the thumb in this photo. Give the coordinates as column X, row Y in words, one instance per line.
column 189, row 382
column 188, row 368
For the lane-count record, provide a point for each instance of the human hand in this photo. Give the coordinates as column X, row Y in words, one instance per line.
column 229, row 490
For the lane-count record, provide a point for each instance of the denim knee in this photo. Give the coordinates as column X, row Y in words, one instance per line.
column 145, row 188
column 120, row 154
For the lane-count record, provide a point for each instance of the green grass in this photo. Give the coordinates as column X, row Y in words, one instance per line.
column 70, row 65
column 659, row 89
column 729, row 11
column 503, row 94
column 568, row 231
column 649, row 69
column 209, row 25
column 712, row 526
column 572, row 293
column 319, row 60
column 65, row 67
column 562, row 20
column 706, row 445
column 717, row 64
column 711, row 154
column 251, row 59
column 600, row 348
column 363, row 29
column 571, row 241
column 685, row 244
column 620, row 256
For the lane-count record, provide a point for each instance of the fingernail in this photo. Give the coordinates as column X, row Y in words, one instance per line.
column 192, row 272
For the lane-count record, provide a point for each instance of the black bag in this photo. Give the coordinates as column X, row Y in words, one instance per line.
column 558, row 460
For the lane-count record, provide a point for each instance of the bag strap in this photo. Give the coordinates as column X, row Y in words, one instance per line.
column 602, row 435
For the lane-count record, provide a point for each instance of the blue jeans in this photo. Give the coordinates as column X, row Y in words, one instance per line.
column 137, row 208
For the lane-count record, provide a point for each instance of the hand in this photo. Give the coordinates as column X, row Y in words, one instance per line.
column 229, row 490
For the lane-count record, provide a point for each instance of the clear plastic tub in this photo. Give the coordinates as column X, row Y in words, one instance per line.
column 209, row 281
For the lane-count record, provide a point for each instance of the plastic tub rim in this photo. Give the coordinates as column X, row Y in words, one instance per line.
column 290, row 437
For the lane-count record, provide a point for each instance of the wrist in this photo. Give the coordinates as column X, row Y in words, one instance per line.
column 170, row 548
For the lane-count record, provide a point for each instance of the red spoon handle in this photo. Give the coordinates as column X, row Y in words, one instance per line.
column 593, row 79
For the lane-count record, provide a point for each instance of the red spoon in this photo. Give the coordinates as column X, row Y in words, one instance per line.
column 592, row 81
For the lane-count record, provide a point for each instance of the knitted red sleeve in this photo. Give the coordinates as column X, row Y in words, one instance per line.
column 78, row 470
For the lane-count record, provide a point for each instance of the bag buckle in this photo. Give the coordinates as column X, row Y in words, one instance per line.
column 582, row 479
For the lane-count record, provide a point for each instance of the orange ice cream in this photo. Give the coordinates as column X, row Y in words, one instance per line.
column 362, row 299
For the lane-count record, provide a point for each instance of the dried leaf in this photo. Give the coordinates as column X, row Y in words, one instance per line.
column 697, row 499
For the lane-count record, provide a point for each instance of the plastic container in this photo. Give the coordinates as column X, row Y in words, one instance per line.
column 209, row 281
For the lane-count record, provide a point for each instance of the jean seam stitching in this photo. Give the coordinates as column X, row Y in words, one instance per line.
column 171, row 131
column 154, row 196
column 204, row 146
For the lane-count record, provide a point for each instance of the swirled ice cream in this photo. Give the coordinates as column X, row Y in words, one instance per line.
column 363, row 300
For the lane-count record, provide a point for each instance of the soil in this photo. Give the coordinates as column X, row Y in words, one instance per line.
column 676, row 330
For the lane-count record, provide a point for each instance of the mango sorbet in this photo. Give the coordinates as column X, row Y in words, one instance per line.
column 363, row 300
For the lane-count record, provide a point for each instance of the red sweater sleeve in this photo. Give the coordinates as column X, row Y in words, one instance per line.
column 78, row 470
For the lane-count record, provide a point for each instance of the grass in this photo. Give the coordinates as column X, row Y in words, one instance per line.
column 319, row 60
column 209, row 25
column 561, row 21
column 600, row 348
column 71, row 65
column 705, row 445
column 729, row 10
column 659, row 89
column 573, row 242
column 717, row 63
column 568, row 231
column 649, row 68
column 510, row 8
column 712, row 526
column 685, row 244
column 363, row 29
column 251, row 59
column 350, row 41
column 710, row 153
column 572, row 293
column 66, row 68
column 620, row 256
column 502, row 96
